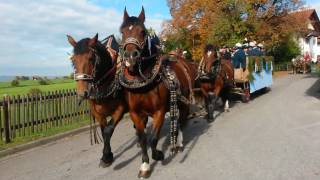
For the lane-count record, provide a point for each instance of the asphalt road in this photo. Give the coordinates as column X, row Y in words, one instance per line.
column 275, row 136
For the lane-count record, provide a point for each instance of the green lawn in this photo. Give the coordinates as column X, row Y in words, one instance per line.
column 25, row 86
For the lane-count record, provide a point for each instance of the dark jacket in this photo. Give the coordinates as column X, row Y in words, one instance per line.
column 255, row 52
column 239, row 59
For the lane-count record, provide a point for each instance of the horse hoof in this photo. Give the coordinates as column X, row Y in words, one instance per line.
column 180, row 149
column 227, row 110
column 157, row 155
column 106, row 160
column 103, row 164
column 144, row 174
column 210, row 120
column 138, row 145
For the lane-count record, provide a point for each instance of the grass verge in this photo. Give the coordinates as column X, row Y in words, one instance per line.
column 49, row 132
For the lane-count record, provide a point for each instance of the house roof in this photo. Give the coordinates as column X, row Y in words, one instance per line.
column 308, row 15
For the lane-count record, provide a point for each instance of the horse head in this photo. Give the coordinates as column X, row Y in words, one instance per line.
column 209, row 56
column 135, row 41
column 90, row 59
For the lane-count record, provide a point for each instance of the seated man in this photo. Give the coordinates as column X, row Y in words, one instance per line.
column 254, row 50
column 239, row 57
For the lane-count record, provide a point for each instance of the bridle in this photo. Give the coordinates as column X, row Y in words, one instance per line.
column 136, row 58
column 92, row 78
column 135, row 41
column 141, row 45
column 88, row 77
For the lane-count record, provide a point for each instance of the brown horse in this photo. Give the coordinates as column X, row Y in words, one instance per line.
column 147, row 77
column 217, row 78
column 95, row 73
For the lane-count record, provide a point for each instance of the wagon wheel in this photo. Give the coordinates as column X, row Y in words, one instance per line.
column 246, row 96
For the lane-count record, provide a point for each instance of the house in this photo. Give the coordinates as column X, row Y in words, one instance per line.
column 35, row 78
column 309, row 40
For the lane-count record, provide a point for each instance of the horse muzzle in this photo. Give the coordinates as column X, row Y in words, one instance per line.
column 131, row 58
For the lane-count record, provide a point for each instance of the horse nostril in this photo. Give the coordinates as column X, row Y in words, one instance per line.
column 85, row 94
column 135, row 54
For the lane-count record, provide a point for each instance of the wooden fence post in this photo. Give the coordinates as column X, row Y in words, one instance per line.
column 6, row 120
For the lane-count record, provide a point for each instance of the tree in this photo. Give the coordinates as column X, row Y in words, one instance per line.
column 286, row 50
column 225, row 22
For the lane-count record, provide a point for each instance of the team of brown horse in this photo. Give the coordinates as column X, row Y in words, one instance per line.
column 146, row 83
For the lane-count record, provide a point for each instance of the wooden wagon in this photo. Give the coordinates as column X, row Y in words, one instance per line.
column 256, row 76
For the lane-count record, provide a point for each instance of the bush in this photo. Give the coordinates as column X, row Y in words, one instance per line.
column 44, row 82
column 286, row 50
column 35, row 91
column 14, row 83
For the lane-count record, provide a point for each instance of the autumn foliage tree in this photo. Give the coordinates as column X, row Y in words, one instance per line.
column 225, row 22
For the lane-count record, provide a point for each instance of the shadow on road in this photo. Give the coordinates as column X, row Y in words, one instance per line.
column 314, row 90
column 192, row 133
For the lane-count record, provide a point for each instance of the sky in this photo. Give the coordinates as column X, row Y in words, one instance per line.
column 33, row 32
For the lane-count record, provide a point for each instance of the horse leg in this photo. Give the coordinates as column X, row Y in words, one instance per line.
column 184, row 111
column 107, row 156
column 225, row 100
column 158, row 119
column 107, row 132
column 145, row 130
column 210, row 103
column 139, row 123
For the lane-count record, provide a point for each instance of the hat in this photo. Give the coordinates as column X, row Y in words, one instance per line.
column 238, row 45
column 260, row 45
column 252, row 44
column 245, row 45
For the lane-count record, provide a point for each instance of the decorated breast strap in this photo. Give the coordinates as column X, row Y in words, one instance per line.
column 140, row 82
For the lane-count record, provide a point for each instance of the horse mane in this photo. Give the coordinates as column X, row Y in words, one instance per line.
column 132, row 21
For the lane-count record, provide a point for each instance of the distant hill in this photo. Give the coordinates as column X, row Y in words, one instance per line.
column 6, row 78
column 10, row 78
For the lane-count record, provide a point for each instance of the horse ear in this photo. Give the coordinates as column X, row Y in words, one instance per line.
column 125, row 14
column 142, row 16
column 93, row 41
column 71, row 41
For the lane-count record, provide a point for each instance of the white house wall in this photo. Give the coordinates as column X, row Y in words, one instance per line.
column 311, row 46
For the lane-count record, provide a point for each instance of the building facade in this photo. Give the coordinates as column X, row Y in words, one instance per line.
column 309, row 41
